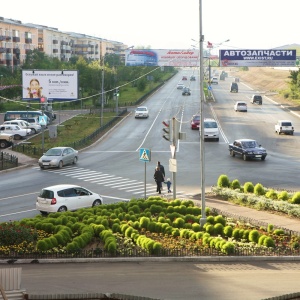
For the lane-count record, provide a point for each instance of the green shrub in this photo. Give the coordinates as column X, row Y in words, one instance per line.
column 259, row 189
column 283, row 195
column 246, row 234
column 271, row 194
column 269, row 242
column 228, row 248
column 296, row 198
column 261, row 239
column 228, row 231
column 223, row 181
column 220, row 219
column 270, row 228
column 218, row 228
column 178, row 223
column 253, row 236
column 279, row 232
column 236, row 233
column 248, row 187
column 235, row 184
column 210, row 220
column 196, row 227
column 209, row 228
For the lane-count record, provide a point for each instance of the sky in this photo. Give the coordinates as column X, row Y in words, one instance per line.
column 168, row 24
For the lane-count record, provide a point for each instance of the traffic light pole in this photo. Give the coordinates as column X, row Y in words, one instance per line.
column 174, row 141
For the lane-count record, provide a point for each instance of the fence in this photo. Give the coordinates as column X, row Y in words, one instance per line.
column 7, row 161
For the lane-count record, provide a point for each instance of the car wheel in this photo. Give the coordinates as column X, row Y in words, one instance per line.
column 292, row 133
column 244, row 157
column 62, row 209
column 75, row 160
column 263, row 158
column 44, row 213
column 97, row 203
column 217, row 139
column 60, row 164
column 3, row 144
column 42, row 167
column 17, row 137
column 232, row 153
column 33, row 130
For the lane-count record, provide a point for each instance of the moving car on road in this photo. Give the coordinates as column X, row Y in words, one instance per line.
column 195, row 122
column 186, row 91
column 256, row 99
column 180, row 86
column 64, row 197
column 234, row 88
column 240, row 106
column 248, row 149
column 211, row 130
column 284, row 126
column 141, row 112
column 58, row 157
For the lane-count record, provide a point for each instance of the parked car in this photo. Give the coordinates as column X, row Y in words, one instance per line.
column 211, row 129
column 34, row 128
column 58, row 157
column 6, row 140
column 186, row 91
column 284, row 126
column 180, row 86
column 248, row 149
column 15, row 130
column 195, row 122
column 64, row 197
column 256, row 99
column 234, row 88
column 240, row 106
column 23, row 124
column 141, row 112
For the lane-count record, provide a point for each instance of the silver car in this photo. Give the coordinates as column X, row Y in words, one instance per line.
column 240, row 106
column 58, row 157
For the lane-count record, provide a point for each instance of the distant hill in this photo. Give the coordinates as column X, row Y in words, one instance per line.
column 291, row 46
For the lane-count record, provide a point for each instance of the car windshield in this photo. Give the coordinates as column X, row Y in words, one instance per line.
column 210, row 125
column 141, row 109
column 286, row 124
column 241, row 104
column 54, row 152
column 249, row 144
column 196, row 118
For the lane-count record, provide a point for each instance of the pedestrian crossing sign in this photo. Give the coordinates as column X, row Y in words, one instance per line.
column 145, row 155
column 43, row 120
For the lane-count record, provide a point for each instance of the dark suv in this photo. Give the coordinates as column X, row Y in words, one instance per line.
column 186, row 91
column 256, row 99
column 234, row 88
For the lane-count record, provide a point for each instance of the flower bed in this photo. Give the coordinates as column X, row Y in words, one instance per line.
column 152, row 227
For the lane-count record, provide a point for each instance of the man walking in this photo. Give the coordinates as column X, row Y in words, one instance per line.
column 159, row 179
column 162, row 169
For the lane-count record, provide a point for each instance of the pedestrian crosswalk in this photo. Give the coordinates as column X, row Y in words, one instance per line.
column 135, row 187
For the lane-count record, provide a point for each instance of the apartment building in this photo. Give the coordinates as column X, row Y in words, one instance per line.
column 17, row 38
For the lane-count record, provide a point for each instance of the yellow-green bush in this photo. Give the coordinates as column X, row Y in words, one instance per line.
column 223, row 181
column 259, row 189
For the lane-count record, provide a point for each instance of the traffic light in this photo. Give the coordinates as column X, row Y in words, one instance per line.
column 116, row 93
column 166, row 130
column 43, row 102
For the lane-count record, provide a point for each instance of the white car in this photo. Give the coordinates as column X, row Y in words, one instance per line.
column 180, row 86
column 214, row 80
column 15, row 130
column 64, row 197
column 240, row 106
column 211, row 129
column 31, row 124
column 284, row 126
column 141, row 112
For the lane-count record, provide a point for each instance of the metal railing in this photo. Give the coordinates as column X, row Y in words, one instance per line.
column 8, row 161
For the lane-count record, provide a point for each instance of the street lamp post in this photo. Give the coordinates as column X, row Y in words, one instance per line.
column 202, row 152
column 102, row 95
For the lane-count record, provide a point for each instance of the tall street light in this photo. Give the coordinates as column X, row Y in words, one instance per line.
column 202, row 152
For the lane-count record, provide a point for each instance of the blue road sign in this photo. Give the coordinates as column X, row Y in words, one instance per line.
column 145, row 155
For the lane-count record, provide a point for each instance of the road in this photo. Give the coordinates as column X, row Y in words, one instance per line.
column 113, row 169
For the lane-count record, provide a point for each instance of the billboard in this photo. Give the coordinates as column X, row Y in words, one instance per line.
column 162, row 57
column 258, row 58
column 53, row 84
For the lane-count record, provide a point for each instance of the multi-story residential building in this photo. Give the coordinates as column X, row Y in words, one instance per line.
column 17, row 38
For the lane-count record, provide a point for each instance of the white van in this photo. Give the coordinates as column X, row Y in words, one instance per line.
column 211, row 129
